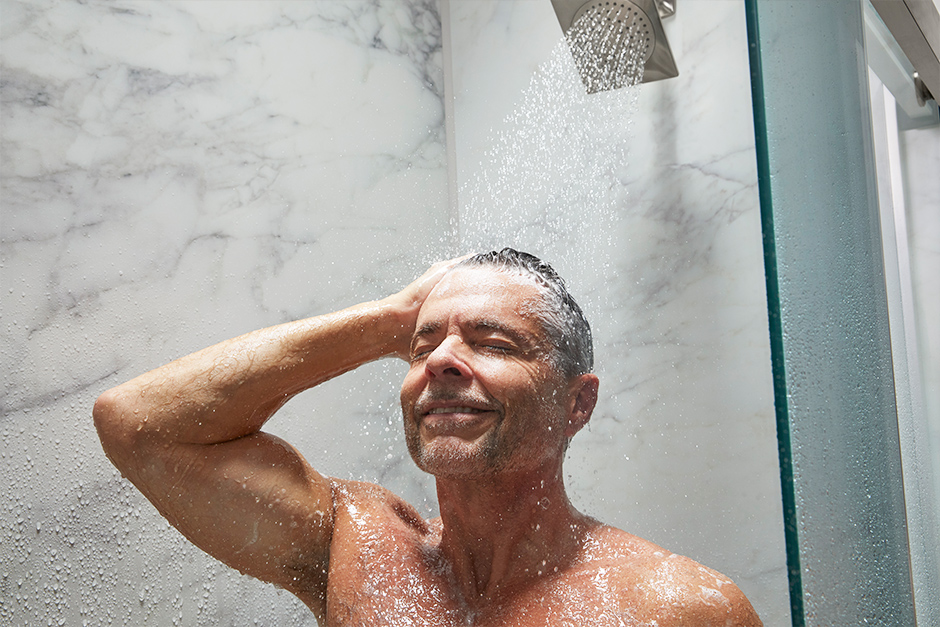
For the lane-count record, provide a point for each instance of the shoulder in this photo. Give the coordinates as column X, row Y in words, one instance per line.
column 671, row 589
column 697, row 595
column 379, row 541
column 361, row 504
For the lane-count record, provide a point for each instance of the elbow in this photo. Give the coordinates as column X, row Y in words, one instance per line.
column 109, row 415
column 105, row 412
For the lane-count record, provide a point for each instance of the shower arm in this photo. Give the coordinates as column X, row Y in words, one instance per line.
column 666, row 8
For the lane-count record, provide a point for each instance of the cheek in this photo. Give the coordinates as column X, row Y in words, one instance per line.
column 410, row 386
column 543, row 400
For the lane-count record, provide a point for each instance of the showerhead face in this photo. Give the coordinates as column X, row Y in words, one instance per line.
column 616, row 43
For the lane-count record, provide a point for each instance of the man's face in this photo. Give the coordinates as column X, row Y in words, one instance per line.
column 482, row 394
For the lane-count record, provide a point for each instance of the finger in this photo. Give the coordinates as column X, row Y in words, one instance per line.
column 426, row 282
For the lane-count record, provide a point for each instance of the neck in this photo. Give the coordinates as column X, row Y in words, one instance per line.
column 503, row 531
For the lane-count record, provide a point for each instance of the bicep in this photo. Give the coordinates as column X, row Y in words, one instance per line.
column 253, row 503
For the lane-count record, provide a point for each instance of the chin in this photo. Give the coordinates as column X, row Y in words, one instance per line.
column 450, row 457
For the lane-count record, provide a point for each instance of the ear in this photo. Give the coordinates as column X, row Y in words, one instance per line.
column 583, row 397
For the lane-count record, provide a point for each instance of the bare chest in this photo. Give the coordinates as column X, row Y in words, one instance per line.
column 387, row 569
column 394, row 582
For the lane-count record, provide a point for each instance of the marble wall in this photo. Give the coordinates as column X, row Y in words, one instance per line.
column 682, row 448
column 176, row 173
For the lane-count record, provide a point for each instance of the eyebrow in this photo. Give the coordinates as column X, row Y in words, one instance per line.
column 426, row 329
column 483, row 325
column 519, row 337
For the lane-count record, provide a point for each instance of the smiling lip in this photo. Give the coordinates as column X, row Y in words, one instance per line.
column 454, row 415
column 457, row 409
column 459, row 420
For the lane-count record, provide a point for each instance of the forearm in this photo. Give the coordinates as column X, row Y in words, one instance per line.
column 230, row 389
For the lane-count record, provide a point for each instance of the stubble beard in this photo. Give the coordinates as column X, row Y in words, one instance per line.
column 450, row 456
column 453, row 457
column 492, row 454
column 457, row 459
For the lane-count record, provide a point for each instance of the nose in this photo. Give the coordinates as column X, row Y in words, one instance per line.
column 446, row 360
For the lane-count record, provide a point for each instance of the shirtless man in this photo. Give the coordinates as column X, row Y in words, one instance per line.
column 500, row 380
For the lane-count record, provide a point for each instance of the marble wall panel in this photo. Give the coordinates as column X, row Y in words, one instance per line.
column 682, row 448
column 174, row 174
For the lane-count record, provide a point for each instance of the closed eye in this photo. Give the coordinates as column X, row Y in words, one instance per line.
column 420, row 353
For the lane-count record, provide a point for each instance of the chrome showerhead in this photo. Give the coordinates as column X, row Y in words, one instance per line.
column 610, row 38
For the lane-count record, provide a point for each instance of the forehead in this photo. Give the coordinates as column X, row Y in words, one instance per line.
column 483, row 292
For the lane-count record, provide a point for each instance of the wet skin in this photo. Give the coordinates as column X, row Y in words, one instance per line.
column 482, row 397
column 391, row 568
column 484, row 410
column 489, row 415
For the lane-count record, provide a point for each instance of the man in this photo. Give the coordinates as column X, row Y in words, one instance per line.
column 499, row 382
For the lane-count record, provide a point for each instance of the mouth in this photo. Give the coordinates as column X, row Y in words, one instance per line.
column 455, row 410
column 455, row 419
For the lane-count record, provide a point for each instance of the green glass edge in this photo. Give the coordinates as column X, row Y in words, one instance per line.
column 773, row 314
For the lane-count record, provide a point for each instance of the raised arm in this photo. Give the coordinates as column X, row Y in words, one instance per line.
column 188, row 436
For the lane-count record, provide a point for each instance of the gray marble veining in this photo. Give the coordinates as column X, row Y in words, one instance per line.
column 176, row 173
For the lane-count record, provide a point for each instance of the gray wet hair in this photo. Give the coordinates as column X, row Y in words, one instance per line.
column 561, row 317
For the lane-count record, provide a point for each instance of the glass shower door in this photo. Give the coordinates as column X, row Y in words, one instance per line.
column 846, row 452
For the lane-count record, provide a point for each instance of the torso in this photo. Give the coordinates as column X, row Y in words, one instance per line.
column 386, row 569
